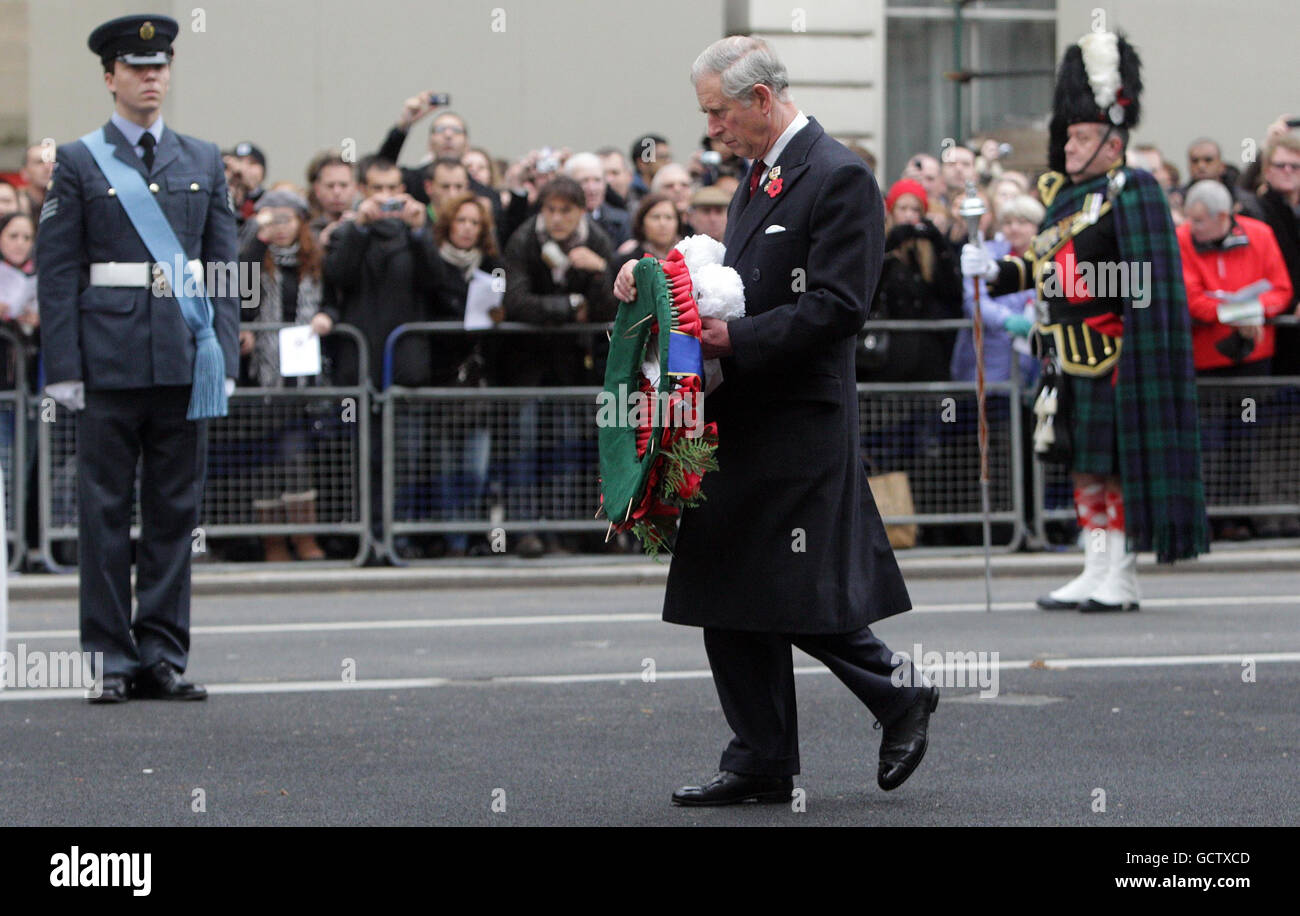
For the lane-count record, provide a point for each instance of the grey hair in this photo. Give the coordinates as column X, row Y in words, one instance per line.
column 578, row 160
column 743, row 62
column 1212, row 195
column 668, row 170
column 1022, row 206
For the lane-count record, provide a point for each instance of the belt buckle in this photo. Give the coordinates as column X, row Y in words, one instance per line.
column 159, row 285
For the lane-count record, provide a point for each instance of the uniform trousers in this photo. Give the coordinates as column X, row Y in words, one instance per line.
column 116, row 430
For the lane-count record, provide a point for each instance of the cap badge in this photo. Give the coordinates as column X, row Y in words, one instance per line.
column 147, row 31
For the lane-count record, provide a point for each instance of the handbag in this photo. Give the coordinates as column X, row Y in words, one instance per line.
column 893, row 495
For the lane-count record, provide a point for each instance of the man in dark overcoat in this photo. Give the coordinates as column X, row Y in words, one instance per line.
column 788, row 549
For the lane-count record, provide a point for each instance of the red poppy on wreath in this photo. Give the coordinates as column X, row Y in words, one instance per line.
column 774, row 187
column 689, row 488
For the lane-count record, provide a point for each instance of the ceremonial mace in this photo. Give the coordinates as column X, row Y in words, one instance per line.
column 972, row 208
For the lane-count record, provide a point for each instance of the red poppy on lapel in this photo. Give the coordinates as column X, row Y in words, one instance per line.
column 774, row 187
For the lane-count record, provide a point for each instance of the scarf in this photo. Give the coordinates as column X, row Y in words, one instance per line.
column 559, row 273
column 466, row 260
column 1155, row 393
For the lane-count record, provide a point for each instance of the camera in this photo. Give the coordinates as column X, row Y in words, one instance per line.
column 547, row 161
column 439, row 98
column 392, row 205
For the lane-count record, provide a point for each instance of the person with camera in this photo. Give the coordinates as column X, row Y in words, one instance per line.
column 381, row 271
column 289, row 270
column 919, row 281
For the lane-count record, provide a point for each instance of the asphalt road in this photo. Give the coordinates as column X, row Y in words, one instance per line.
column 541, row 702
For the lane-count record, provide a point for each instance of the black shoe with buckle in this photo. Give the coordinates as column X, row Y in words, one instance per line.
column 904, row 742
column 161, row 681
column 727, row 788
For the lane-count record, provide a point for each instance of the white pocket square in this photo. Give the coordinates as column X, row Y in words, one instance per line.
column 773, row 229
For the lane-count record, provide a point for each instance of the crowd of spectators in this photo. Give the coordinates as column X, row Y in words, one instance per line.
column 465, row 236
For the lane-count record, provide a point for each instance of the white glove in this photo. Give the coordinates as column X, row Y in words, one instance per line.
column 976, row 262
column 230, row 387
column 71, row 395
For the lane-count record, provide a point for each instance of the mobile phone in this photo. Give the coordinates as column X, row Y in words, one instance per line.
column 439, row 98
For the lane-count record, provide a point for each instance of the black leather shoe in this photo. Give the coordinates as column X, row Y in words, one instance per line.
column 904, row 742
column 161, row 681
column 727, row 788
column 114, row 688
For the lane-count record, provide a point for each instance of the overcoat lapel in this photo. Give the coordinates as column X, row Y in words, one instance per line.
column 742, row 224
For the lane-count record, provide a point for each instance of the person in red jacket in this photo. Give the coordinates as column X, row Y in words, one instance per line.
column 1236, row 278
column 1222, row 255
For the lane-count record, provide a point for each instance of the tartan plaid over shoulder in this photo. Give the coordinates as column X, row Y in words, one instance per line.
column 1155, row 393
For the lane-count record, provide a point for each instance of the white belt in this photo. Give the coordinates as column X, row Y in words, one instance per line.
column 122, row 273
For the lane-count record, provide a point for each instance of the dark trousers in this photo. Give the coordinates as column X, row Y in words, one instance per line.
column 115, row 431
column 754, row 674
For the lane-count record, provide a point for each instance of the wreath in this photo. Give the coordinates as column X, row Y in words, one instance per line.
column 654, row 448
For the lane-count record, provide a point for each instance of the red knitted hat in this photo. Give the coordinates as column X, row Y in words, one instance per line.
column 906, row 186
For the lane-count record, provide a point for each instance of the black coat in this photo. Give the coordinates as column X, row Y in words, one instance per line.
column 377, row 277
column 789, row 539
column 532, row 296
column 482, row 349
column 904, row 294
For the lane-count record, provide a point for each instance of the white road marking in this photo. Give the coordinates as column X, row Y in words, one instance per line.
column 335, row 686
column 325, row 626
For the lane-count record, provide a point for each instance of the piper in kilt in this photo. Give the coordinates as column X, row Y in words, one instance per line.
column 1113, row 315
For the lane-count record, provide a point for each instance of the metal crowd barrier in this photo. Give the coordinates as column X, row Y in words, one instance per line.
column 15, row 443
column 1250, row 453
column 461, row 461
column 274, row 441
column 467, row 461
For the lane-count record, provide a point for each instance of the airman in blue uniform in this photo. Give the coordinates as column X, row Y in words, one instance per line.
column 118, row 350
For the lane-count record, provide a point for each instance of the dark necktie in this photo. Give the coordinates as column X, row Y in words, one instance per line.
column 147, row 142
column 756, row 175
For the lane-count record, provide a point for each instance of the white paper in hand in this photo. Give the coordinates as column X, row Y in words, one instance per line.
column 481, row 298
column 299, row 351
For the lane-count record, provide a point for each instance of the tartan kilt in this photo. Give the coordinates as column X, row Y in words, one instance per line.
column 1095, row 447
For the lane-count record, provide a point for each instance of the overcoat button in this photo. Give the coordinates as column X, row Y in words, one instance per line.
column 112, row 192
column 194, row 185
column 153, row 187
